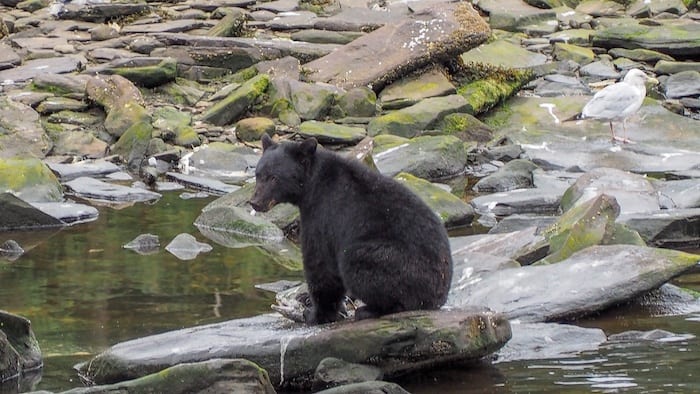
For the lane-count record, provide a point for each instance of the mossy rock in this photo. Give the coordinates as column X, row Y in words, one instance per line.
column 175, row 125
column 358, row 102
column 252, row 129
column 415, row 120
column 680, row 40
column 238, row 102
column 427, row 157
column 149, row 76
column 574, row 53
column 485, row 94
column 331, row 133
column 241, row 222
column 121, row 118
column 29, row 179
column 451, row 209
column 133, row 145
column 466, row 127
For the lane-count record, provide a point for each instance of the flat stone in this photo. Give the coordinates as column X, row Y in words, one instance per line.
column 293, row 20
column 32, row 68
column 20, row 215
column 678, row 228
column 67, row 172
column 186, row 247
column 331, row 133
column 681, row 194
column 683, row 84
column 520, row 201
column 358, row 19
column 511, row 15
column 539, row 341
column 413, row 88
column 68, row 212
column 206, row 184
column 94, row 189
column 22, row 132
column 680, row 39
column 445, row 30
column 428, row 157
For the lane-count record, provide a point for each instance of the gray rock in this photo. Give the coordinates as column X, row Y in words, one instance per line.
column 358, row 19
column 186, row 247
column 286, row 67
column 224, row 162
column 68, row 212
column 358, row 102
column 292, row 20
column 22, row 340
column 61, row 83
column 519, row 222
column 30, row 69
column 212, row 186
column 538, row 341
column 57, row 104
column 291, row 352
column 672, row 39
column 10, row 250
column 598, row 70
column 325, row 36
column 669, row 67
column 9, row 360
column 445, row 29
column 510, row 246
column 681, row 194
column 520, row 201
column 332, row 372
column 8, row 57
column 555, row 85
column 516, row 174
column 602, row 276
column 428, row 157
column 634, row 193
column 22, row 134
column 656, row 335
column 311, row 100
column 94, row 189
column 469, row 265
column 238, row 102
column 148, row 72
column 99, row 12
column 683, row 84
column 144, row 244
column 669, row 228
column 503, row 53
column 414, row 120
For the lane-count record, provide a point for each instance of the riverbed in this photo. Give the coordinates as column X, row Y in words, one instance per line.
column 84, row 292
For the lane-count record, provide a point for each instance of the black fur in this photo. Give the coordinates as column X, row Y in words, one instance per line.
column 362, row 233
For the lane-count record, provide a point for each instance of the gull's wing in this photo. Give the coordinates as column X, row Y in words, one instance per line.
column 614, row 102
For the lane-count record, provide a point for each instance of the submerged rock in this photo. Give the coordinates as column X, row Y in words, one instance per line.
column 290, row 352
column 144, row 244
column 240, row 223
column 186, row 247
column 11, row 251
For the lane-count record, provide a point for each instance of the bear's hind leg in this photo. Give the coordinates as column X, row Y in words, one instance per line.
column 326, row 303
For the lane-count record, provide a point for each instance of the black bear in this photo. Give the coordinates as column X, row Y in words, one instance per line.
column 362, row 233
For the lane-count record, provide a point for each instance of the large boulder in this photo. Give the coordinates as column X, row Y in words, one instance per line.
column 427, row 157
column 397, row 344
column 430, row 35
column 231, row 108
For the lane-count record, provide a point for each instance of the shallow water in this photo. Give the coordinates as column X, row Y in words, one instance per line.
column 83, row 292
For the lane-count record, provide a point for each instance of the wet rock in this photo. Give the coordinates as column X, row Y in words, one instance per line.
column 332, row 372
column 511, row 246
column 656, row 335
column 68, row 212
column 20, row 215
column 466, row 127
column 678, row 228
column 469, row 265
column 144, row 244
column 602, row 276
column 238, row 102
column 414, row 120
column 376, row 387
column 428, row 157
column 99, row 12
column 22, row 134
column 538, row 341
column 332, row 133
column 93, row 189
column 488, row 91
column 683, row 84
column 519, row 201
column 670, row 38
column 516, row 174
column 452, row 211
column 634, row 193
column 10, row 250
column 186, row 247
column 67, row 172
column 9, row 360
column 519, row 222
column 212, row 186
column 241, row 223
column 215, row 375
column 446, row 29
column 133, row 144
column 22, row 340
column 290, row 352
column 411, row 89
column 29, row 179
column 535, row 124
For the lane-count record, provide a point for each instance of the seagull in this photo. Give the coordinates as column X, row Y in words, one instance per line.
column 617, row 101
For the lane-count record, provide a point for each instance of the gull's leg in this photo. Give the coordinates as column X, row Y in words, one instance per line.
column 624, row 138
column 612, row 131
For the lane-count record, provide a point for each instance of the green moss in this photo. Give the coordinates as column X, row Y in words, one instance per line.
column 56, row 90
column 243, row 75
column 399, row 123
column 22, row 174
column 387, row 141
column 150, row 76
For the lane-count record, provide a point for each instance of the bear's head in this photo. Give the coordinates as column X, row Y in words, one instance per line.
column 281, row 172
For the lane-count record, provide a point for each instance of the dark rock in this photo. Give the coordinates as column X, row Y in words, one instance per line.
column 19, row 215
column 22, row 339
column 144, row 244
column 148, row 72
column 209, row 185
column 238, row 102
column 331, row 133
column 99, row 12
column 669, row 229
column 516, row 174
column 10, row 367
column 533, row 201
column 683, row 84
column 11, row 251
column 519, row 222
column 68, row 212
column 376, row 387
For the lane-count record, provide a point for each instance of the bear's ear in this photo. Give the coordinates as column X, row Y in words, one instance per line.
column 308, row 147
column 266, row 142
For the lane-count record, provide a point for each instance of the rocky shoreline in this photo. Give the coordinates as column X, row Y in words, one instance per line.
column 108, row 102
